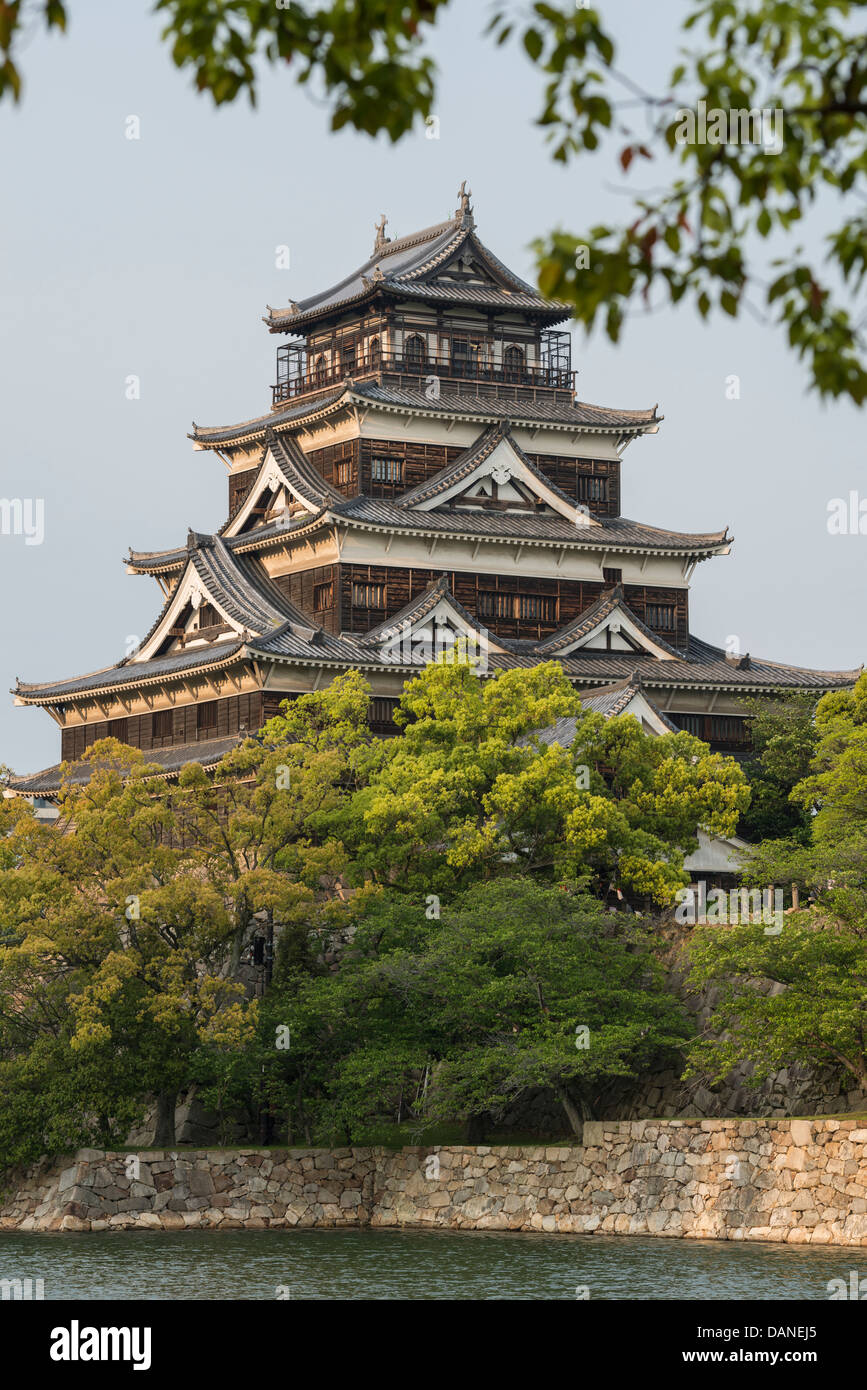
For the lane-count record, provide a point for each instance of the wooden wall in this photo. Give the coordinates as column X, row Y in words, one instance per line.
column 139, row 729
column 572, row 597
column 302, row 587
column 347, row 468
column 583, row 478
column 239, row 486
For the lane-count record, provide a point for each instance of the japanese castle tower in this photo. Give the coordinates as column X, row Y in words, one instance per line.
column 425, row 477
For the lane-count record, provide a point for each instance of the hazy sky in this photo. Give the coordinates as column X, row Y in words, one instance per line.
column 156, row 258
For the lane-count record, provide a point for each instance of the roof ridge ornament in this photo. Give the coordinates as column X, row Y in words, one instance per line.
column 381, row 239
column 464, row 212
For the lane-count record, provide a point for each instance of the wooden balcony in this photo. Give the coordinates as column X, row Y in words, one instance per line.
column 456, row 374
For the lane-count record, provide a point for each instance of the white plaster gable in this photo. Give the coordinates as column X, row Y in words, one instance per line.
column 505, row 473
column 617, row 632
column 190, row 591
column 288, row 494
column 437, row 631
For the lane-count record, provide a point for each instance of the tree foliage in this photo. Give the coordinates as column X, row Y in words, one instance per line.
column 800, row 993
column 471, row 789
column 783, row 738
column 693, row 237
column 515, row 986
column 434, row 899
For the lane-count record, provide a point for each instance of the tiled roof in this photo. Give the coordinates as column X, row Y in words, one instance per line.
column 215, row 655
column 169, row 761
column 568, row 415
column 256, row 427
column 613, row 533
column 610, row 701
column 609, row 533
column 579, row 414
column 406, row 267
column 298, row 470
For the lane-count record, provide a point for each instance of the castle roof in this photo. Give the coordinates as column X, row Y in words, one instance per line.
column 650, row 659
column 521, row 410
column 421, row 266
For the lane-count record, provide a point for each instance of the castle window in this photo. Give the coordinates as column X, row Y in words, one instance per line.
column 206, row 716
column 117, row 728
column 375, row 352
column 323, row 596
column 538, row 608
column 415, row 352
column 513, row 362
column 344, row 472
column 612, row 576
column 161, row 724
column 386, row 470
column 348, row 358
column 660, row 616
column 319, row 370
column 690, row 723
column 368, row 595
column 208, row 615
column 591, row 489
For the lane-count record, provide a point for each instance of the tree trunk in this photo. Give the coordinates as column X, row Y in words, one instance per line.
column 573, row 1114
column 164, row 1133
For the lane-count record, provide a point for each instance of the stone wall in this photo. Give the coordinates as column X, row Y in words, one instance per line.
column 802, row 1181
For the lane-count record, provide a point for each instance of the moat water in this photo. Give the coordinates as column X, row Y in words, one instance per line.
column 417, row 1265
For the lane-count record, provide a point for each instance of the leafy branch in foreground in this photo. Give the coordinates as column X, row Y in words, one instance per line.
column 784, row 93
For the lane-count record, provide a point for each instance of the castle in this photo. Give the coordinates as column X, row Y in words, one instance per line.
column 425, row 478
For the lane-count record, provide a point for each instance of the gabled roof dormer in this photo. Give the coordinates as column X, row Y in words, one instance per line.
column 239, row 597
column 495, row 474
column 609, row 625
column 287, row 486
column 429, row 626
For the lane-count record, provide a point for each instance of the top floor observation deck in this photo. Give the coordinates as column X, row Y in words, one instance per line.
column 403, row 353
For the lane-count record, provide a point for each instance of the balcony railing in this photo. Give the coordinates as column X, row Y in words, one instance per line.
column 452, row 368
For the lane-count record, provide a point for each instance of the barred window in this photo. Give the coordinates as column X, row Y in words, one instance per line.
column 344, row 472
column 660, row 616
column 612, row 576
column 368, row 595
column 386, row 470
column 527, row 607
column 323, row 596
column 592, row 489
column 691, row 723
column 728, row 728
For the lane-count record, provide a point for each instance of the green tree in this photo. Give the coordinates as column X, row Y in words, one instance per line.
column 469, row 789
column 798, row 996
column 691, row 239
column 124, row 923
column 515, row 986
column 784, row 740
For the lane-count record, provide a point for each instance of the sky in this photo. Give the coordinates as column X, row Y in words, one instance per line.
column 154, row 259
